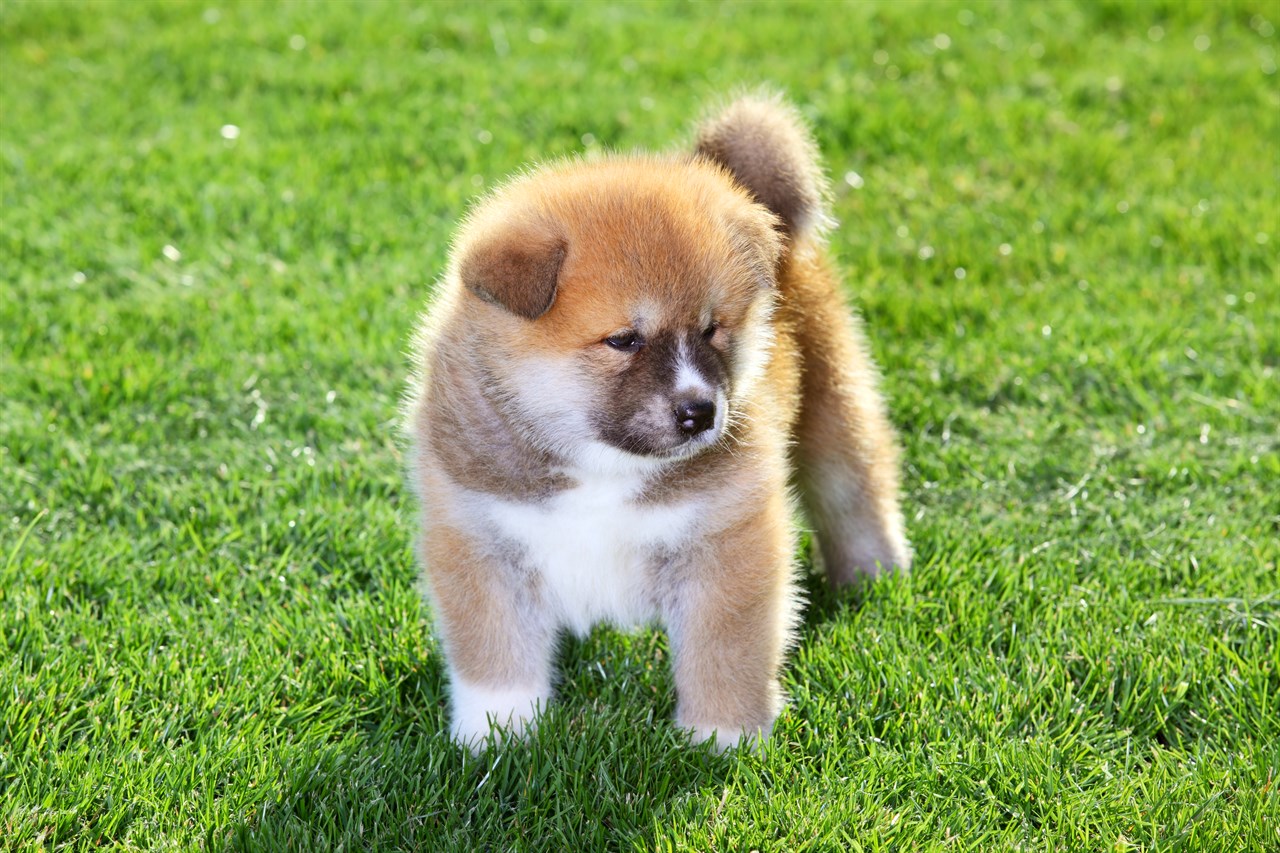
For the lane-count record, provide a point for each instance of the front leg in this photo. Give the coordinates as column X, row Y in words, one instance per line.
column 730, row 623
column 497, row 637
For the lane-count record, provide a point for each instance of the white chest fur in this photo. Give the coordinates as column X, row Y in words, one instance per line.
column 594, row 549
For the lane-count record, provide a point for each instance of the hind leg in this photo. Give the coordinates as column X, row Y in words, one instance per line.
column 846, row 451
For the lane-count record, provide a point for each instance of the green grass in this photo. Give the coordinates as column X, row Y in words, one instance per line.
column 209, row 632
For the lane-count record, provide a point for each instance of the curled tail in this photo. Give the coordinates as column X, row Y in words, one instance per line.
column 845, row 450
column 764, row 143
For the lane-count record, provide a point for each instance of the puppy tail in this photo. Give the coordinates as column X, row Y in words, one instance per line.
column 764, row 143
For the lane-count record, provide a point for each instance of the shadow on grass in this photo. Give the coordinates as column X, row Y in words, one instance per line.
column 604, row 770
column 824, row 603
column 604, row 767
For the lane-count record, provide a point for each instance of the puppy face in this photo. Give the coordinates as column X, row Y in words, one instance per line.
column 627, row 305
column 666, row 392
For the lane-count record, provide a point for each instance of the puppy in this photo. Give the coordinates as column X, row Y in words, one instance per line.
column 626, row 365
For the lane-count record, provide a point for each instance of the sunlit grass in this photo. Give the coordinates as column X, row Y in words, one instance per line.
column 218, row 225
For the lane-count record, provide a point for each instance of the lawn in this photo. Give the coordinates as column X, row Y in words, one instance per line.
column 219, row 221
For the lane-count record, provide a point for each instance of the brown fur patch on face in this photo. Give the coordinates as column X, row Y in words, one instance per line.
column 639, row 399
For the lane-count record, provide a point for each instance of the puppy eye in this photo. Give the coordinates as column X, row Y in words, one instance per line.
column 625, row 341
column 710, row 331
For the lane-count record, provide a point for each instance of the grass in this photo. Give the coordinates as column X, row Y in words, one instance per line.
column 220, row 220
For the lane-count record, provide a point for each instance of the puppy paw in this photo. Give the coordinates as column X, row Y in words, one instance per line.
column 864, row 558
column 723, row 738
column 479, row 710
column 854, row 556
column 886, row 556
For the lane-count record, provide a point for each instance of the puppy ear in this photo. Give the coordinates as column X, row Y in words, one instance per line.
column 765, row 145
column 516, row 265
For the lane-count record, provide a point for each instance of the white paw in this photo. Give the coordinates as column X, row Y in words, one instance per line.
column 725, row 738
column 863, row 556
column 478, row 709
column 888, row 555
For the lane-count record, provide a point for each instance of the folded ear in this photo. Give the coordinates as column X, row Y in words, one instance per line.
column 515, row 264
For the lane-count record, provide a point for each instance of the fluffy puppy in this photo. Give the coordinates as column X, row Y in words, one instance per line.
column 628, row 362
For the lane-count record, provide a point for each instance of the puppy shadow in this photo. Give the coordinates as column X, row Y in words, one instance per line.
column 604, row 766
column 603, row 769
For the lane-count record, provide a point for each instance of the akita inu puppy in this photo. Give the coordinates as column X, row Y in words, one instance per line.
column 627, row 364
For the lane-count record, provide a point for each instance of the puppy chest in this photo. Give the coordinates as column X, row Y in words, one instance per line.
column 594, row 550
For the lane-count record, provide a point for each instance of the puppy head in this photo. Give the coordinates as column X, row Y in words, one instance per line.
column 622, row 305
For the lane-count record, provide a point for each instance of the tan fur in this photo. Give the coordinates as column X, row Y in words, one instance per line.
column 557, row 486
column 729, row 637
column 846, row 451
column 763, row 142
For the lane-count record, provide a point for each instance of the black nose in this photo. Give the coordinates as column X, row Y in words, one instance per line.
column 695, row 416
